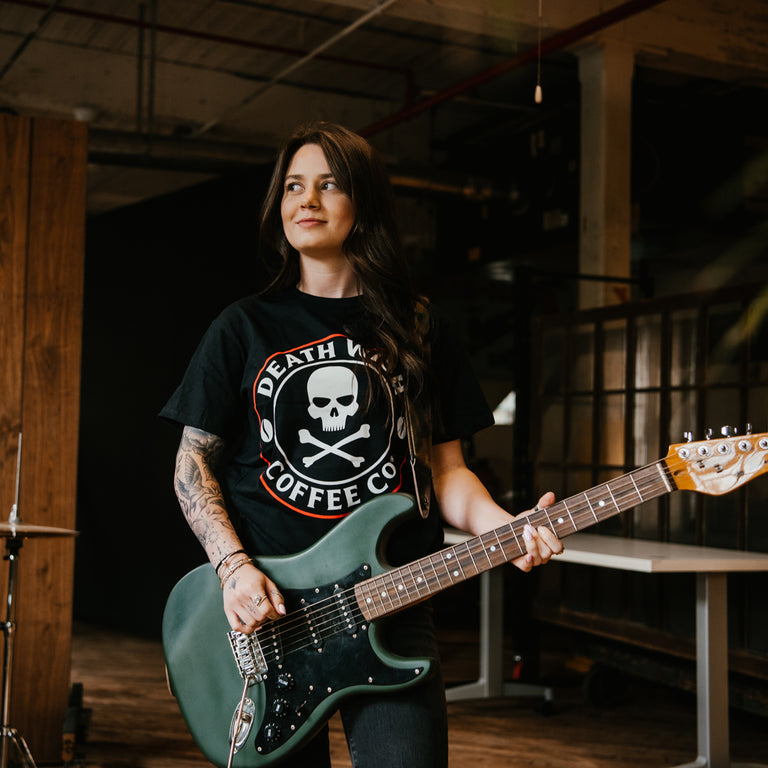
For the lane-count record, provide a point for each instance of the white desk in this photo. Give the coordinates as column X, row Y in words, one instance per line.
column 490, row 682
column 711, row 567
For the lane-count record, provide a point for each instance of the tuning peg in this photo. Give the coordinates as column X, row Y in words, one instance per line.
column 749, row 428
column 709, row 432
column 688, row 437
column 728, row 431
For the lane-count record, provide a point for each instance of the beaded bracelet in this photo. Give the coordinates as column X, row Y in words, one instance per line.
column 232, row 569
column 226, row 557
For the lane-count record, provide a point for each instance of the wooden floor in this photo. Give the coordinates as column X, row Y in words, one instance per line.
column 135, row 723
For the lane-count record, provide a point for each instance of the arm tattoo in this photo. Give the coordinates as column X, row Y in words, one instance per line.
column 199, row 492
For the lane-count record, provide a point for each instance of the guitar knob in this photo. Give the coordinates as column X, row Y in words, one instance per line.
column 285, row 681
column 280, row 707
column 272, row 732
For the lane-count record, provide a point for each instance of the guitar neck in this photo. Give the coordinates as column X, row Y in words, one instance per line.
column 409, row 584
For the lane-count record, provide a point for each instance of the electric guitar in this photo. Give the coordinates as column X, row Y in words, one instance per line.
column 251, row 700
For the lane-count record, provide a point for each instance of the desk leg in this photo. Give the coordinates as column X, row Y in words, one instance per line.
column 490, row 683
column 711, row 671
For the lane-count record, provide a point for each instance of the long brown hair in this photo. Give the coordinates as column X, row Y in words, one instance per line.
column 392, row 308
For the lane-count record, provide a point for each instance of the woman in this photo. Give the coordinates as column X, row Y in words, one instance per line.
column 301, row 404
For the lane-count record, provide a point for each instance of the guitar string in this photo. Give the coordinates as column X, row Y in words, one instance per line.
column 654, row 478
column 629, row 495
column 327, row 620
column 323, row 619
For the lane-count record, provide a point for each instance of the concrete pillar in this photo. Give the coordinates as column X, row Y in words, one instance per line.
column 605, row 72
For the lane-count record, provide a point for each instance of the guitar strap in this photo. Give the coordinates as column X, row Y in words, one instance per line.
column 419, row 427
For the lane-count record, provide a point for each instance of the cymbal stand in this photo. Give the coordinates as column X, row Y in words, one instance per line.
column 13, row 545
column 11, row 735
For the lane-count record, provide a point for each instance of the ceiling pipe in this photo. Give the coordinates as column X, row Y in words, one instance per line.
column 210, row 37
column 41, row 22
column 554, row 43
column 313, row 54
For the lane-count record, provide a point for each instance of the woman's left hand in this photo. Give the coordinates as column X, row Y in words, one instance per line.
column 541, row 543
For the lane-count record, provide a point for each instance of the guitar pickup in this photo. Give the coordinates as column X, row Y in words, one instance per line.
column 248, row 655
column 345, row 612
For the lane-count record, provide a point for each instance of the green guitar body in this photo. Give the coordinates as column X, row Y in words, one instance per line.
column 305, row 681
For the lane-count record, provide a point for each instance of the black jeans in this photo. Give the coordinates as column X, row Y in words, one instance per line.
column 404, row 729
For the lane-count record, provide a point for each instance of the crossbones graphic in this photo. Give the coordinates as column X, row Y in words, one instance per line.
column 306, row 437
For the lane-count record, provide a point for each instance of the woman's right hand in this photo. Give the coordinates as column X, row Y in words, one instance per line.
column 250, row 599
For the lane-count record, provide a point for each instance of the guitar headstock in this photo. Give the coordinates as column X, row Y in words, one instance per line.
column 718, row 465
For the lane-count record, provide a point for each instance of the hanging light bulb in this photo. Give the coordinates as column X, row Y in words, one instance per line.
column 537, row 95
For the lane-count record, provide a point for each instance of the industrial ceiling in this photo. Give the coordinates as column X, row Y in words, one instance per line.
column 177, row 91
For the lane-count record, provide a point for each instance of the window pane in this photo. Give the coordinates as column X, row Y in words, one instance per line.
column 757, row 408
column 682, row 407
column 723, row 409
column 583, row 356
column 645, row 521
column 647, row 414
column 724, row 340
column 615, row 354
column 722, row 520
column 612, row 430
column 552, row 374
column 551, row 434
column 580, row 427
column 648, row 352
column 682, row 517
column 684, row 341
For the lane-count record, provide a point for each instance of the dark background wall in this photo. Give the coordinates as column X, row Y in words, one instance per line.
column 158, row 272
column 156, row 275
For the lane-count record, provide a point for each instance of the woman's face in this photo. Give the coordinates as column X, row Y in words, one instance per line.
column 317, row 215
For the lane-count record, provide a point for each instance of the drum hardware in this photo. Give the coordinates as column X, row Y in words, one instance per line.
column 14, row 532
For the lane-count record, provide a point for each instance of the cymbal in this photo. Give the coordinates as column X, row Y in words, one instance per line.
column 20, row 530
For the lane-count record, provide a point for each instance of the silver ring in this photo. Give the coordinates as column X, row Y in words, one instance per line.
column 258, row 600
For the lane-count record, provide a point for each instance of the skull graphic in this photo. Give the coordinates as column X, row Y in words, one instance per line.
column 332, row 395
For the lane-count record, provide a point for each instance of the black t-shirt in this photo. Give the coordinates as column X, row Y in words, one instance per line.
column 284, row 385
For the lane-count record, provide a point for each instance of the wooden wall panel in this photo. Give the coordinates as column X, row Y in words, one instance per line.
column 14, row 196
column 49, row 419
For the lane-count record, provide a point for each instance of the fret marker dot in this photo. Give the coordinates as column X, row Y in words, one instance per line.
column 448, row 556
column 601, row 503
column 368, row 600
column 493, row 548
column 400, row 587
column 560, row 520
column 419, row 579
column 383, row 594
column 455, row 573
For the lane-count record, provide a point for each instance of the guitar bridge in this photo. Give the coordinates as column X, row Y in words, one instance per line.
column 248, row 655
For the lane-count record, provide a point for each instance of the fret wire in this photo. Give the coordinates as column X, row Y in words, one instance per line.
column 446, row 555
column 377, row 594
column 501, row 546
column 573, row 522
column 591, row 508
column 458, row 555
column 367, row 599
column 413, row 581
column 395, row 586
column 423, row 576
column 435, row 576
column 472, row 557
column 612, row 498
column 664, row 477
column 497, row 545
column 485, row 549
column 517, row 541
column 509, row 531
